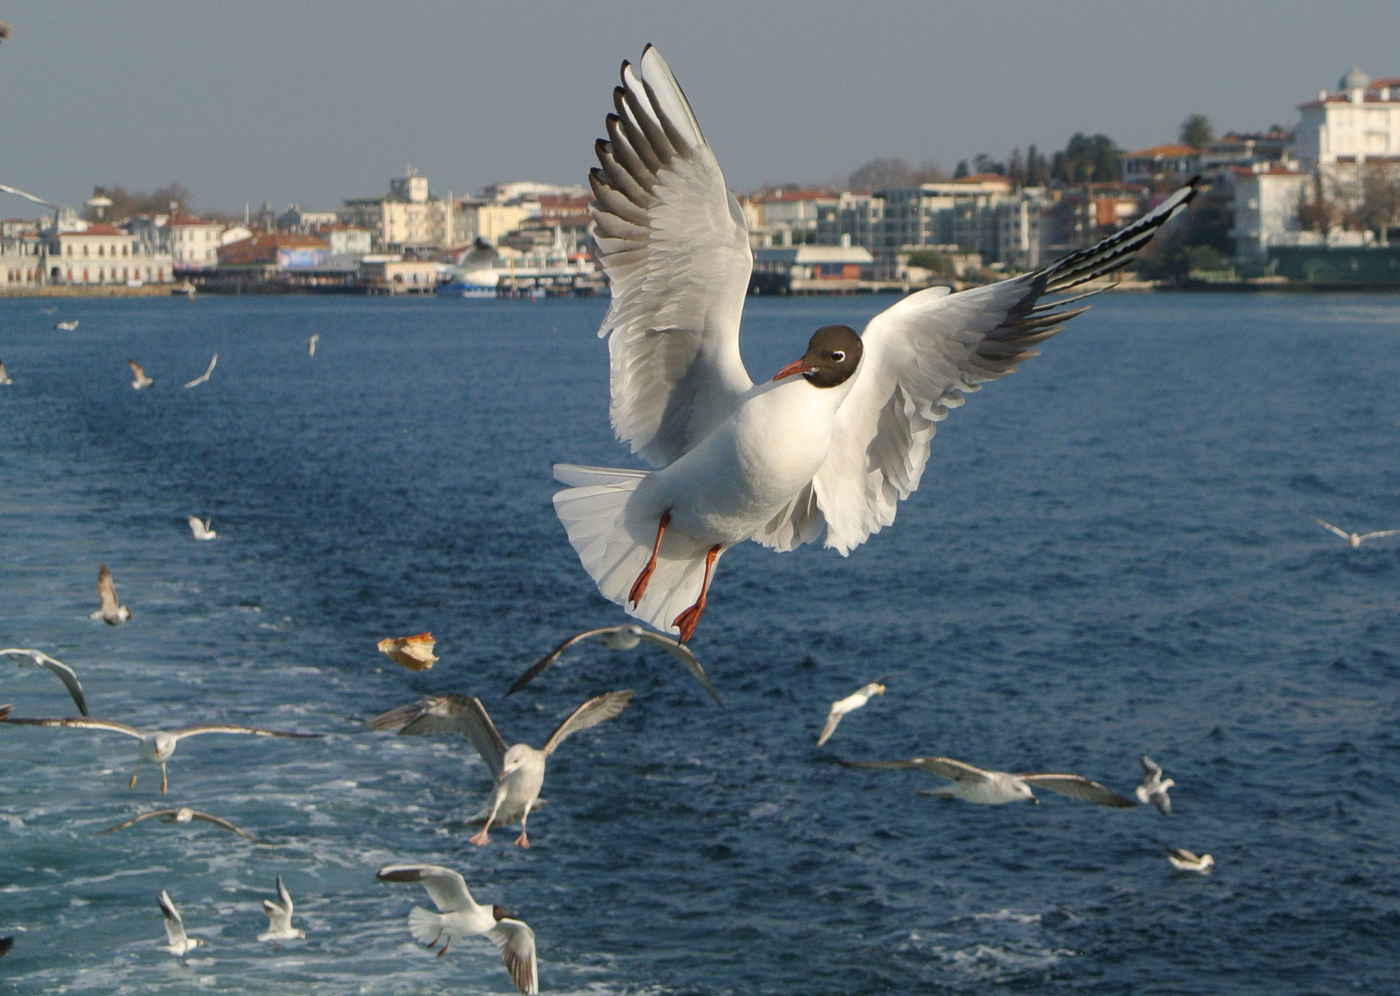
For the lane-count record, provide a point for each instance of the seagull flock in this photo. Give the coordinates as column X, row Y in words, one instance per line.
column 825, row 449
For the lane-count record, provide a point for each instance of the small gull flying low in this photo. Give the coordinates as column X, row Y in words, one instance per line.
column 183, row 815
column 111, row 613
column 177, row 942
column 995, row 788
column 1153, row 790
column 279, row 918
column 141, row 380
column 1355, row 539
column 623, row 637
column 850, row 703
column 413, row 652
column 1185, row 861
column 207, row 371
column 200, row 527
column 64, row 673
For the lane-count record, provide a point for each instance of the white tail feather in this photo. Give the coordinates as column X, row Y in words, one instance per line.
column 612, row 525
column 424, row 925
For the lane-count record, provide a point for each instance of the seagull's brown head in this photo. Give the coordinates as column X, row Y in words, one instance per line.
column 833, row 353
column 501, row 913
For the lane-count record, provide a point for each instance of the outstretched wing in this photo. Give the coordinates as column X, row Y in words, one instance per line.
column 675, row 247
column 1079, row 787
column 174, row 924
column 1376, row 535
column 924, row 354
column 553, row 656
column 62, row 671
column 1151, row 768
column 204, row 376
column 516, row 942
column 194, row 731
column 591, row 713
column 79, row 723
column 946, row 767
column 106, row 590
column 683, row 654
column 446, row 887
column 462, row 714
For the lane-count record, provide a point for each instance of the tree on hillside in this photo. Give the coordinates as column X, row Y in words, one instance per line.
column 1197, row 132
column 1317, row 212
column 961, row 170
column 880, row 173
column 126, row 203
column 1087, row 160
column 983, row 163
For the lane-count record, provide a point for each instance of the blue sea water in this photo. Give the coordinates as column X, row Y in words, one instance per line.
column 1111, row 554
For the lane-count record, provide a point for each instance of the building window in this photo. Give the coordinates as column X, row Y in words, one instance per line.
column 85, row 275
column 85, row 250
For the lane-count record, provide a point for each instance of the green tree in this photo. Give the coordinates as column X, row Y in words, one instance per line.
column 1087, row 160
column 1197, row 132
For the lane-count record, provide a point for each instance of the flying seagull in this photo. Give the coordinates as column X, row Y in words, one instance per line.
column 518, row 770
column 183, row 815
column 850, row 703
column 279, row 918
column 1153, row 790
column 994, row 788
column 623, row 637
column 4, row 33
column 463, row 916
column 111, row 613
column 64, row 673
column 4, row 376
column 5, row 710
column 67, row 326
column 1352, row 538
column 200, row 528
column 141, row 379
column 156, row 745
column 207, row 371
column 177, row 943
column 413, row 652
column 1183, row 860
column 311, row 344
column 835, row 440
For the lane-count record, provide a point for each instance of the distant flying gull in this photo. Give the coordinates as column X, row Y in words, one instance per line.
column 1352, row 538
column 850, row 703
column 207, row 371
column 5, row 710
column 200, row 528
column 141, row 379
column 111, row 613
column 4, row 33
column 311, row 344
column 66, row 326
column 462, row 916
column 156, row 745
column 49, row 311
column 182, row 815
column 994, row 788
column 64, row 673
column 4, row 376
column 413, row 652
column 1183, row 860
column 279, row 918
column 623, row 637
column 1153, row 789
column 834, row 441
column 177, row 943
column 518, row 770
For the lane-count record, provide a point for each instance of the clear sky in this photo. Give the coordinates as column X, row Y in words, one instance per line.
column 313, row 102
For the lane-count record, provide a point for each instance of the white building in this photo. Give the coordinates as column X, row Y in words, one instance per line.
column 408, row 218
column 1266, row 211
column 105, row 255
column 194, row 244
column 1358, row 122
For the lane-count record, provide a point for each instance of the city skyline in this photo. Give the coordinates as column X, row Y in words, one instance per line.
column 312, row 105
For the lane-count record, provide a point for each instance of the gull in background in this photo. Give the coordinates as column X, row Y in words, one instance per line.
column 111, row 613
column 463, row 916
column 200, row 528
column 311, row 344
column 850, row 703
column 623, row 637
column 207, row 371
column 5, row 710
column 279, row 918
column 1153, row 789
column 183, row 815
column 518, row 770
column 5, row 944
column 833, row 442
column 177, row 943
column 4, row 376
column 413, row 652
column 1184, row 861
column 1352, row 538
column 64, row 673
column 67, row 326
column 156, row 745
column 995, row 788
column 141, row 379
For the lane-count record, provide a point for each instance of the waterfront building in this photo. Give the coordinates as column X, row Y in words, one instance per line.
column 790, row 217
column 194, row 244
column 266, row 254
column 21, row 259
column 408, row 218
column 298, row 219
column 1265, row 209
column 103, row 254
column 1358, row 122
column 1161, row 164
column 807, row 268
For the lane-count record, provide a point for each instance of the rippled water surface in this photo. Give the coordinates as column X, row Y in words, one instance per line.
column 1112, row 553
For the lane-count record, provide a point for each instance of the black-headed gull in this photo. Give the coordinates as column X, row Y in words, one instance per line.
column 413, row 652
column 1153, row 790
column 1184, row 860
column 207, row 371
column 834, row 441
column 177, row 942
column 850, row 703
column 111, row 613
column 995, row 788
column 518, row 770
column 4, row 376
column 156, row 745
column 463, row 916
column 141, row 380
column 200, row 527
column 181, row 816
column 1354, row 539
column 64, row 673
column 624, row 637
column 279, row 918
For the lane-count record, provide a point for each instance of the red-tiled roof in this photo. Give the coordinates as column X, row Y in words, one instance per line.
column 97, row 229
column 1163, row 151
column 189, row 219
column 801, row 195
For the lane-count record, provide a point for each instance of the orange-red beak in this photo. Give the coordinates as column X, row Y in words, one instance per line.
column 795, row 367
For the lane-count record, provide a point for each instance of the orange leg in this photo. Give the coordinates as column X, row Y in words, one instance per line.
column 639, row 587
column 690, row 618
